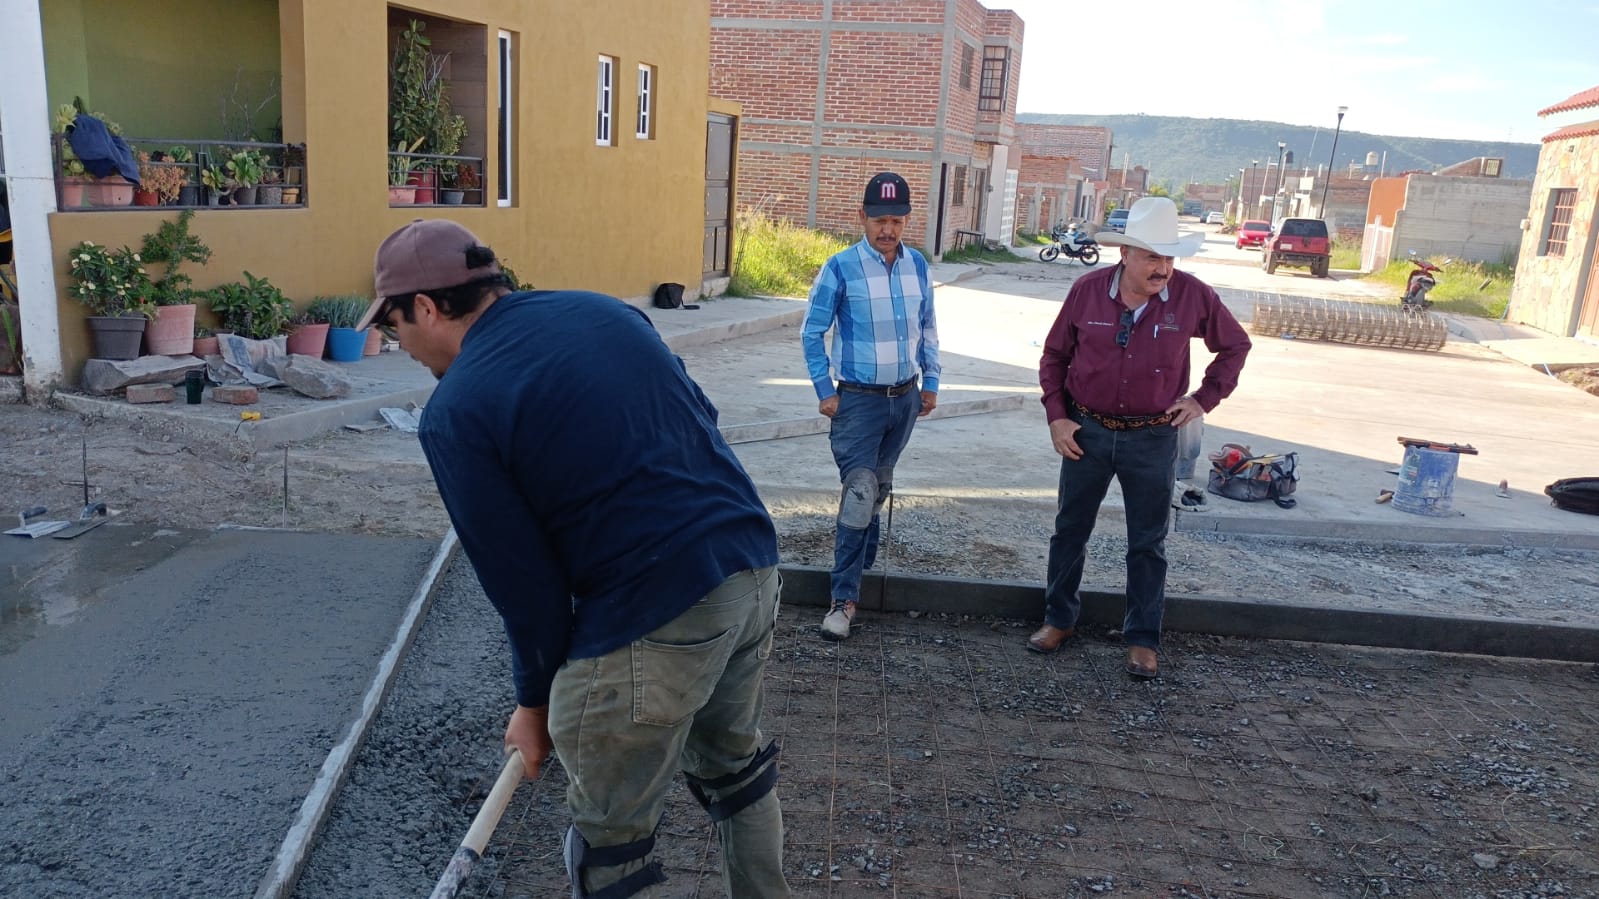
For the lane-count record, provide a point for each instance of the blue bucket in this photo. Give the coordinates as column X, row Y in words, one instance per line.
column 346, row 344
column 1427, row 482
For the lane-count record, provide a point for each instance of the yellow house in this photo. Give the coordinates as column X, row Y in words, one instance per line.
column 603, row 163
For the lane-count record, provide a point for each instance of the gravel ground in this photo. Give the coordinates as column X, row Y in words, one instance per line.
column 931, row 758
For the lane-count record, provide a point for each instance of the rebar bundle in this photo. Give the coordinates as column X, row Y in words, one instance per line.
column 1342, row 321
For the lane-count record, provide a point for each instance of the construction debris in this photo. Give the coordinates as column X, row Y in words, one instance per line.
column 1342, row 321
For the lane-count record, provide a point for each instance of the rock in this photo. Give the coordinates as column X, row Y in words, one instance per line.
column 106, row 376
column 151, row 393
column 1485, row 861
column 313, row 377
column 235, row 394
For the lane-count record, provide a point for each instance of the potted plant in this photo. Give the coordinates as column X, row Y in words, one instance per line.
column 345, row 343
column 112, row 190
column 270, row 192
column 115, row 287
column 171, row 332
column 254, row 309
column 72, row 185
column 245, row 169
column 205, row 342
column 218, row 187
column 183, row 158
column 159, row 182
column 462, row 178
column 401, row 192
column 308, row 336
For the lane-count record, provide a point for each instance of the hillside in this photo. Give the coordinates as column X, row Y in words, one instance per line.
column 1178, row 150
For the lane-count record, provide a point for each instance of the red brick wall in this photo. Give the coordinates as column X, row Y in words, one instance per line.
column 1088, row 143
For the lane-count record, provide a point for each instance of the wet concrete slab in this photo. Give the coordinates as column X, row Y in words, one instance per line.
column 170, row 695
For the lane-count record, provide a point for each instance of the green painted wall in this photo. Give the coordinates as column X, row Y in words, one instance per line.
column 166, row 68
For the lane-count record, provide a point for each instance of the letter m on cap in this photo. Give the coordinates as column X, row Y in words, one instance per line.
column 887, row 191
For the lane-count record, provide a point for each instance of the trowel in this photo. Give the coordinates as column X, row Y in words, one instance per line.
column 91, row 516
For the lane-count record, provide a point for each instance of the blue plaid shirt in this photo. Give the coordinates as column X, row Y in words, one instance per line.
column 886, row 331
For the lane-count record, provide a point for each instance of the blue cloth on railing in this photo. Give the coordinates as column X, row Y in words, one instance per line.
column 100, row 151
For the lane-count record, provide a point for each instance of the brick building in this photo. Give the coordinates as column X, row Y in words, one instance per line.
column 1090, row 144
column 836, row 91
column 1050, row 190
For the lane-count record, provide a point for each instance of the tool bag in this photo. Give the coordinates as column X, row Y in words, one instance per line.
column 1575, row 495
column 1237, row 474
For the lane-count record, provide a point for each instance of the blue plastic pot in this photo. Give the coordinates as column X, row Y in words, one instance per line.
column 346, row 344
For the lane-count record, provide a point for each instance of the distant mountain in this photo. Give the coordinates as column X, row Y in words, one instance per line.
column 1178, row 149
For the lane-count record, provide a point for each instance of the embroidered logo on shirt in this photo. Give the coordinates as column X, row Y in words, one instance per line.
column 1102, row 324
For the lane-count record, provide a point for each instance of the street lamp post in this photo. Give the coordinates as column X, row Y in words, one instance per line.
column 1240, row 215
column 1282, row 147
column 1331, row 158
column 1254, row 203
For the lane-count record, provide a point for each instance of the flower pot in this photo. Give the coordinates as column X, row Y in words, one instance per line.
column 269, row 195
column 424, row 182
column 402, row 196
column 308, row 340
column 172, row 331
column 206, row 346
column 374, row 342
column 245, row 196
column 72, row 193
column 189, row 195
column 291, row 196
column 452, row 197
column 142, row 197
column 112, row 190
column 346, row 344
column 116, row 337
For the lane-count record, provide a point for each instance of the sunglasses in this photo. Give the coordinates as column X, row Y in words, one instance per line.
column 1126, row 332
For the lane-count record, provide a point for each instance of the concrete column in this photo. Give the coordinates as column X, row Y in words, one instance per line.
column 30, row 185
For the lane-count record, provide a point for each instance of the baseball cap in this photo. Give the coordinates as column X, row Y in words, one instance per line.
column 427, row 254
column 887, row 194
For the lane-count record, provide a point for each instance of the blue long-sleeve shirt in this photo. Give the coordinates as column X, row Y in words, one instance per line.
column 586, row 478
column 886, row 328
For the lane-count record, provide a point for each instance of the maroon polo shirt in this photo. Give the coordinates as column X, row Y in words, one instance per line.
column 1082, row 362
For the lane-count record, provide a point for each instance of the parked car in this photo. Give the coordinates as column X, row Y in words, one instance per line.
column 1215, row 218
column 1116, row 221
column 1252, row 234
column 1298, row 242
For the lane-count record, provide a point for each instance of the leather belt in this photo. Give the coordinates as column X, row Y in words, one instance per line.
column 1124, row 422
column 900, row 389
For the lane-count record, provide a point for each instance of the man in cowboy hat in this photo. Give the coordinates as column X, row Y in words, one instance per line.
column 1115, row 378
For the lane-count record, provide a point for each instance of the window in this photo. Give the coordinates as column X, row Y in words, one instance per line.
column 957, row 196
column 646, row 102
column 507, row 146
column 1561, row 204
column 1490, row 167
column 996, row 71
column 604, row 98
column 968, row 58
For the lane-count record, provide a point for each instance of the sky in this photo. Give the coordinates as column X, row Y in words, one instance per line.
column 1468, row 70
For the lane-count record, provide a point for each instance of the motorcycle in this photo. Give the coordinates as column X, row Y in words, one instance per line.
column 1073, row 243
column 1421, row 280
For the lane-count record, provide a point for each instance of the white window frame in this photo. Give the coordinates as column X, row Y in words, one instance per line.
column 645, row 126
column 605, row 102
column 506, row 46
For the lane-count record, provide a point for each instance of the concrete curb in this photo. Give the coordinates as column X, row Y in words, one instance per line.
column 756, row 432
column 296, row 847
column 728, row 330
column 1365, row 531
column 807, row 586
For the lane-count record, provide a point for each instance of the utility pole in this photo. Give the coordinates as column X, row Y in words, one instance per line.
column 1331, row 157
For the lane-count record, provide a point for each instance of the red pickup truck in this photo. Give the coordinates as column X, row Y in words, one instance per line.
column 1298, row 242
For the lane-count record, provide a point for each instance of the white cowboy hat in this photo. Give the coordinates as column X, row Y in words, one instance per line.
column 1152, row 226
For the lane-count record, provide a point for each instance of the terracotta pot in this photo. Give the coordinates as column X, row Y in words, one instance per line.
column 112, row 190
column 72, row 193
column 291, row 196
column 142, row 197
column 374, row 342
column 308, row 340
column 206, row 346
column 424, row 181
column 402, row 196
column 171, row 333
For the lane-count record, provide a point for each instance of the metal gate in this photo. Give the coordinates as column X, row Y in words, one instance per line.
column 1376, row 248
column 719, row 137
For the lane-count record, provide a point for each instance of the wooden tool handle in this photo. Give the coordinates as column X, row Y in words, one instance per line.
column 477, row 836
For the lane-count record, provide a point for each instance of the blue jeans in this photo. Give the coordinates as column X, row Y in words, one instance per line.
column 1142, row 462
column 868, row 434
column 688, row 696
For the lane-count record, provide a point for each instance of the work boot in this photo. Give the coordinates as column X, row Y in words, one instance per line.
column 836, row 625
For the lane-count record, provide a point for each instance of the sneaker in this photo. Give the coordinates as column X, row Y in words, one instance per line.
column 836, row 625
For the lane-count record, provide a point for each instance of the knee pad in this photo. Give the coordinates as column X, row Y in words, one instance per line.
column 859, row 500
column 580, row 855
column 765, row 762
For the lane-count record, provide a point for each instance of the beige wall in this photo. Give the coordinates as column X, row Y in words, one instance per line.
column 1547, row 293
column 617, row 219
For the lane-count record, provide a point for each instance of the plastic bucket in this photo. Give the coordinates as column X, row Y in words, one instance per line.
column 346, row 344
column 1427, row 482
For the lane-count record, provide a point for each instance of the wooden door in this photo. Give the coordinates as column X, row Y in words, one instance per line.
column 719, row 137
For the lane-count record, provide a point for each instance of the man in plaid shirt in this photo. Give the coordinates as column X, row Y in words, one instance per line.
column 880, row 297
